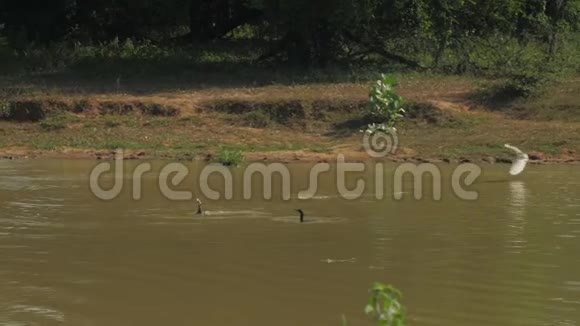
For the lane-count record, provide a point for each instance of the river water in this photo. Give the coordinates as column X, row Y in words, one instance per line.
column 511, row 257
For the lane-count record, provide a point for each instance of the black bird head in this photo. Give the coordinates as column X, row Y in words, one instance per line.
column 199, row 210
column 301, row 215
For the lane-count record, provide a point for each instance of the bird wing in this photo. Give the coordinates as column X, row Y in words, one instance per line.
column 516, row 150
column 520, row 162
column 518, row 166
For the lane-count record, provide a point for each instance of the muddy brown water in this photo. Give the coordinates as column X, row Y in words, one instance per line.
column 67, row 258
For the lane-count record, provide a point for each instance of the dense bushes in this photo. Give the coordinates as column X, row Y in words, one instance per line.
column 527, row 42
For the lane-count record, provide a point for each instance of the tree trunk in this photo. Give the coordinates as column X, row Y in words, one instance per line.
column 200, row 20
column 555, row 10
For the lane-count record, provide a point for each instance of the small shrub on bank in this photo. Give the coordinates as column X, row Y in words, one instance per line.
column 230, row 157
column 5, row 110
column 385, row 106
column 384, row 102
column 524, row 84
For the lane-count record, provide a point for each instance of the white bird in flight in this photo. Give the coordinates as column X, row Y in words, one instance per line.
column 519, row 164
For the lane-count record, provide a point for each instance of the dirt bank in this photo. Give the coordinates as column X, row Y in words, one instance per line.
column 277, row 123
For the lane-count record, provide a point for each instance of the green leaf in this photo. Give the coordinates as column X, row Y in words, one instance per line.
column 344, row 322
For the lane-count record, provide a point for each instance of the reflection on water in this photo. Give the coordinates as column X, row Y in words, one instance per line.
column 510, row 258
column 518, row 195
column 308, row 220
column 517, row 213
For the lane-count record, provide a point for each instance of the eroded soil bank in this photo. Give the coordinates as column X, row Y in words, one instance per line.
column 446, row 122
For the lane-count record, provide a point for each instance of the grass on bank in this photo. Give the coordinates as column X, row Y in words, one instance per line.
column 447, row 134
column 230, row 156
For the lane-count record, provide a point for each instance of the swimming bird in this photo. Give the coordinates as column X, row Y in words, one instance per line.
column 301, row 215
column 519, row 164
column 199, row 210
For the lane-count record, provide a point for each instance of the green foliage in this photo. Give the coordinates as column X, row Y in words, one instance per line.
column 525, row 84
column 230, row 157
column 5, row 110
column 444, row 35
column 119, row 50
column 384, row 305
column 385, row 104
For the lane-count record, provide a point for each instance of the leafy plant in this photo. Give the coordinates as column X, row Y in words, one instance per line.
column 384, row 305
column 385, row 104
column 5, row 110
column 230, row 157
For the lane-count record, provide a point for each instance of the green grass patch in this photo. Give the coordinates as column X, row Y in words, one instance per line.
column 116, row 121
column 122, row 145
column 189, row 146
column 111, row 122
column 466, row 120
column 58, row 121
column 89, row 125
column 158, row 122
column 188, row 121
column 279, row 147
column 550, row 148
column 45, row 144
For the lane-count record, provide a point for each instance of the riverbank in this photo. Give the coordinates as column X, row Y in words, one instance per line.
column 450, row 119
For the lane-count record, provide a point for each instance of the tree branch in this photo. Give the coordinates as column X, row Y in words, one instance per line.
column 384, row 53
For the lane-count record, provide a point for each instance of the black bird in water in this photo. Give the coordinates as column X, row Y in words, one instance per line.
column 301, row 215
column 199, row 210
